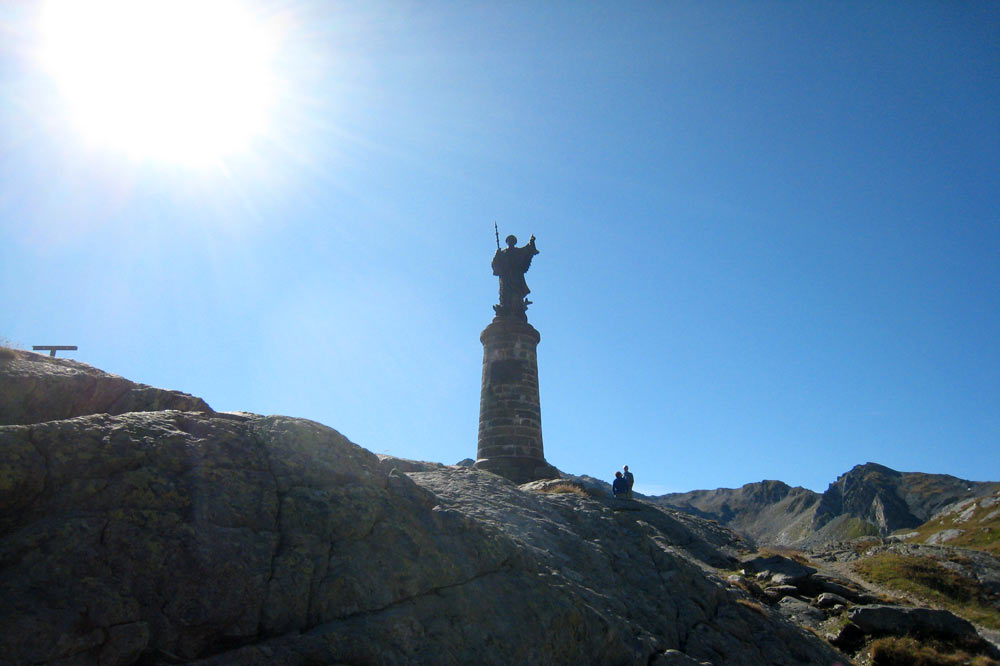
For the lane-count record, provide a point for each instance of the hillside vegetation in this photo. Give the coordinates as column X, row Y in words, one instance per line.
column 936, row 583
column 974, row 523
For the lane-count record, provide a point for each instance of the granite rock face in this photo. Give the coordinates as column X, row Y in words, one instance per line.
column 172, row 536
column 164, row 537
column 880, row 620
column 36, row 388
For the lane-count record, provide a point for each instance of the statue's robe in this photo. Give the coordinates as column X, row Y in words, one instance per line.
column 510, row 265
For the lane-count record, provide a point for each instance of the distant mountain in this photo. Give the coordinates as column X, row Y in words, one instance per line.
column 870, row 499
column 770, row 512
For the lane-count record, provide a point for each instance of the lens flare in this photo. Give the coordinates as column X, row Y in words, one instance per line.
column 179, row 80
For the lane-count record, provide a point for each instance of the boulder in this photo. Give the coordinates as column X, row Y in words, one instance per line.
column 779, row 592
column 35, row 388
column 801, row 612
column 818, row 584
column 943, row 536
column 879, row 620
column 846, row 636
column 781, row 570
column 829, row 600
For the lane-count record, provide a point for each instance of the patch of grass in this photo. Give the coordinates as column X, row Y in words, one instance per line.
column 752, row 605
column 906, row 651
column 750, row 587
column 563, row 488
column 790, row 553
column 930, row 581
column 856, row 528
column 862, row 545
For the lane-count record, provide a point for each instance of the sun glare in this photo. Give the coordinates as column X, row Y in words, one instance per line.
column 183, row 81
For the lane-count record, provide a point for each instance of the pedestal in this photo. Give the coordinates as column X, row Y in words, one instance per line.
column 510, row 418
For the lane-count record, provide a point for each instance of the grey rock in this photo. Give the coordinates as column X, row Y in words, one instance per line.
column 901, row 620
column 35, row 388
column 901, row 538
column 779, row 592
column 818, row 584
column 170, row 533
column 161, row 537
column 801, row 612
column 944, row 535
column 781, row 570
column 846, row 636
column 830, row 600
column 552, row 485
column 389, row 463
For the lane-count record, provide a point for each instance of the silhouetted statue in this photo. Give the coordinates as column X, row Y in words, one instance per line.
column 510, row 264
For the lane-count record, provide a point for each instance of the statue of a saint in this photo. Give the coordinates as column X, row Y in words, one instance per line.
column 510, row 264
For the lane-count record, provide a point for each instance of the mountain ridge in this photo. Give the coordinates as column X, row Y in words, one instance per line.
column 870, row 499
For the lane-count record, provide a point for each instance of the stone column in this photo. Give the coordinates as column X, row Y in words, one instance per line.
column 510, row 419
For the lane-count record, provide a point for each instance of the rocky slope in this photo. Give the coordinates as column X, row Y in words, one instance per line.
column 159, row 536
column 870, row 499
column 35, row 388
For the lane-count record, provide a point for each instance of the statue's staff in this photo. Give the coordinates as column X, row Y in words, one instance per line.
column 496, row 230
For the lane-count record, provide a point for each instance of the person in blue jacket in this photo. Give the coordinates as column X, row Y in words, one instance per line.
column 629, row 479
column 620, row 486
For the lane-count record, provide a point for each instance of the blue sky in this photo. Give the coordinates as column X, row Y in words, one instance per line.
column 769, row 232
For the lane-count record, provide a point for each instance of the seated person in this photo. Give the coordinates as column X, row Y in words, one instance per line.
column 620, row 486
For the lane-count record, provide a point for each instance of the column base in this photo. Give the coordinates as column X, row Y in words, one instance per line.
column 518, row 470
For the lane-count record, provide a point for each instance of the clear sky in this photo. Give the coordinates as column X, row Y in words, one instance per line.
column 769, row 231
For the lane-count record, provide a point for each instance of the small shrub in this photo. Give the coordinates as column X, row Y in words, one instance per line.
column 563, row 488
column 752, row 605
column 750, row 587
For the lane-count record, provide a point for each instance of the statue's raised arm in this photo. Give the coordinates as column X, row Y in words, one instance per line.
column 510, row 264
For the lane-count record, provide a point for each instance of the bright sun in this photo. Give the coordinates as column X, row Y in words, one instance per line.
column 185, row 81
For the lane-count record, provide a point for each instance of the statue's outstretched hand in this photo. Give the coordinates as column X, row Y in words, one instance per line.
column 532, row 238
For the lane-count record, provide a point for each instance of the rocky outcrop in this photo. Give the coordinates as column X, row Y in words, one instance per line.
column 175, row 537
column 36, row 388
column 882, row 620
column 870, row 492
column 390, row 463
column 846, row 615
column 166, row 536
column 779, row 570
